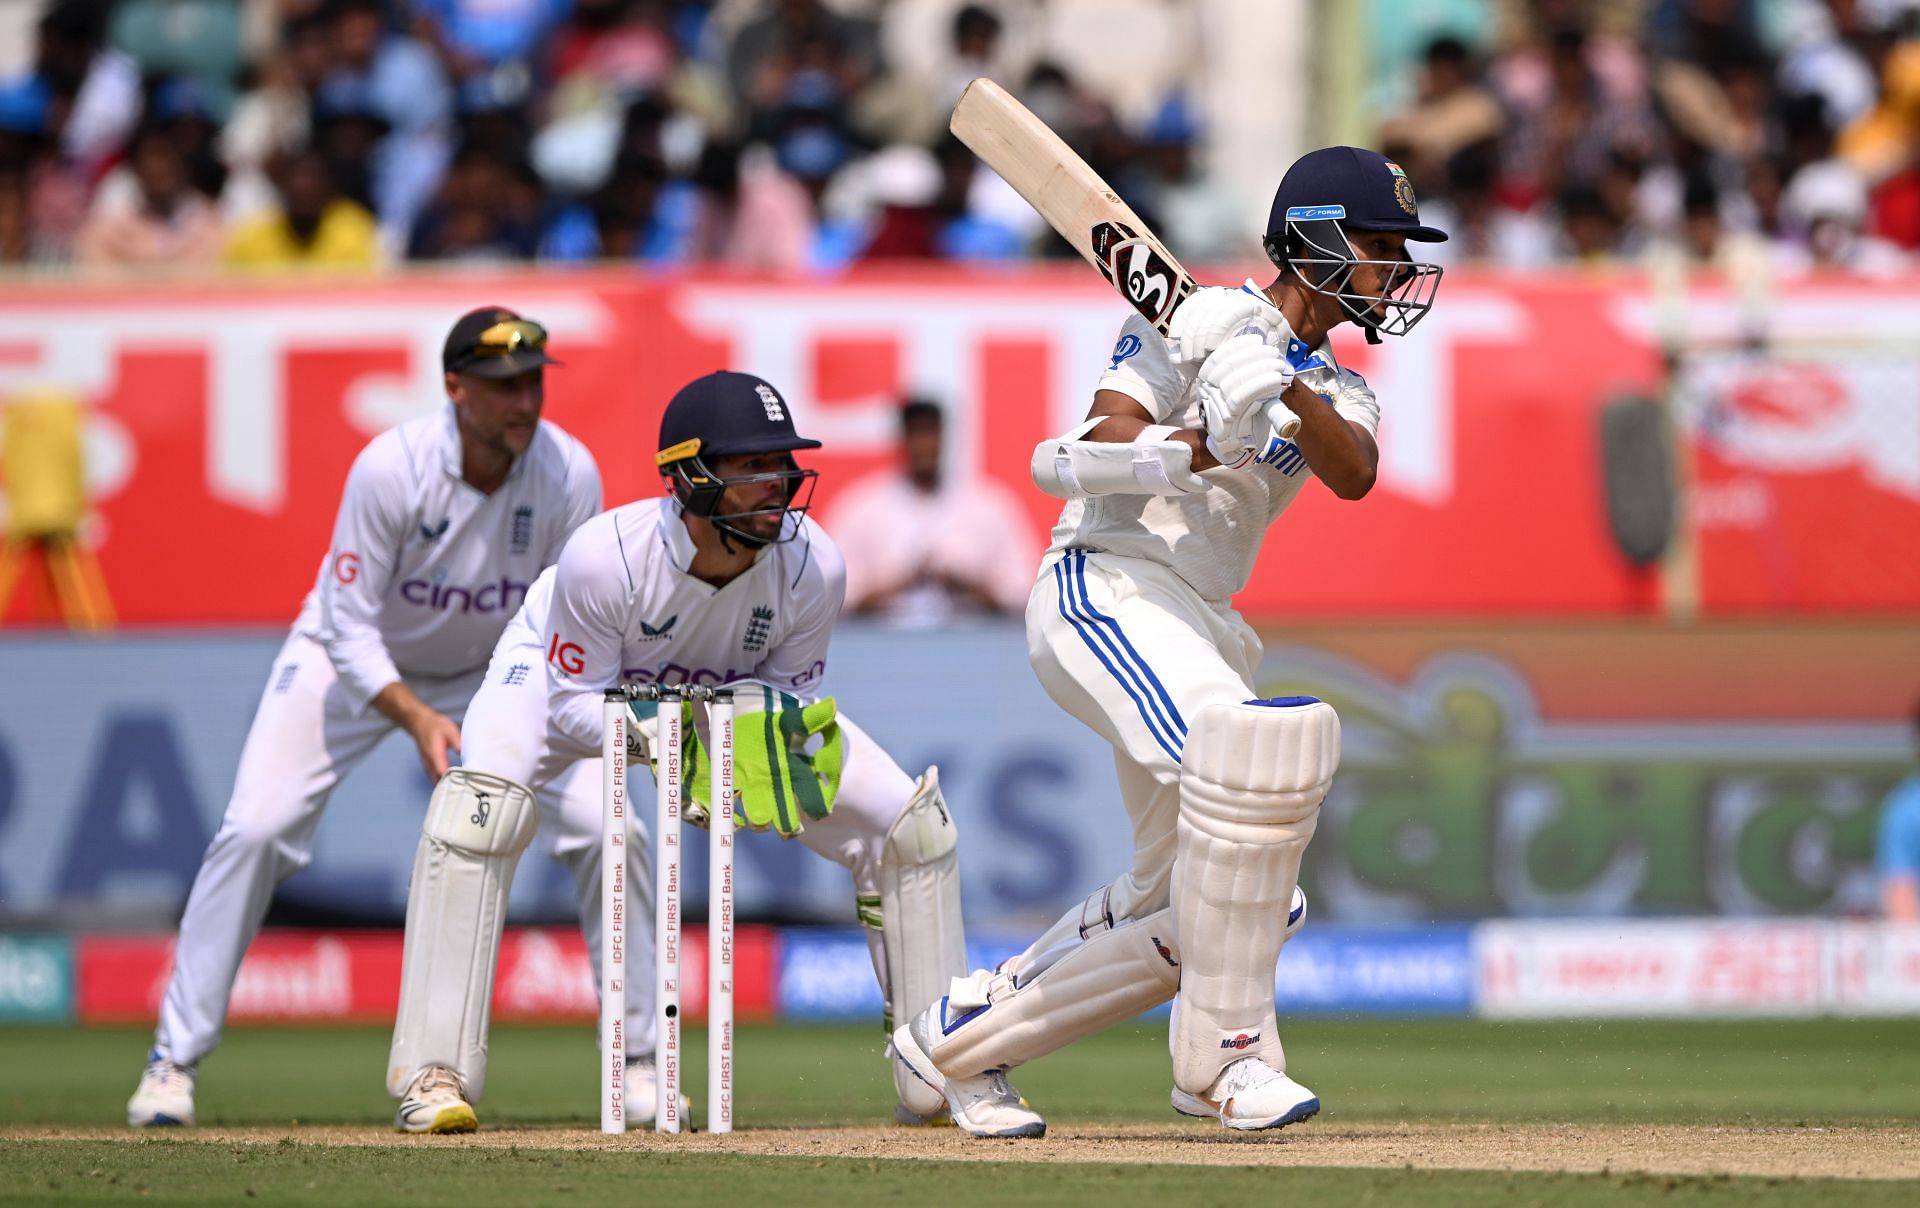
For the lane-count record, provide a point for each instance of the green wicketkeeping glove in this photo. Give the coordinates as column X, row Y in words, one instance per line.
column 787, row 759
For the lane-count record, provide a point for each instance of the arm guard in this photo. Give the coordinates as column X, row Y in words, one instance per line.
column 1068, row 467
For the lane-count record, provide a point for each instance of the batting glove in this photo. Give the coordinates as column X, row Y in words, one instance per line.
column 1236, row 383
column 1213, row 315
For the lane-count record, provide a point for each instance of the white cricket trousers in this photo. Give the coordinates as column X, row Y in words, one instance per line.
column 305, row 737
column 506, row 733
column 1130, row 649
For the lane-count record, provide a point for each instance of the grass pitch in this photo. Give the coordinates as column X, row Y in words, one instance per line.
column 1540, row 1113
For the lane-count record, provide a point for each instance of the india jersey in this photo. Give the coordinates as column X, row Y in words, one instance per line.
column 1209, row 538
column 425, row 571
column 625, row 609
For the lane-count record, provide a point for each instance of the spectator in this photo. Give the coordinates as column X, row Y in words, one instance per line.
column 273, row 115
column 16, row 210
column 39, row 195
column 312, row 227
column 482, row 212
column 911, row 106
column 488, row 46
column 1198, row 214
column 801, row 38
column 1574, row 99
column 95, row 88
column 923, row 551
column 1825, row 213
column 626, row 45
column 904, row 186
column 750, row 214
column 182, row 110
column 628, row 218
column 1897, row 852
column 172, row 224
column 1452, row 111
column 398, row 80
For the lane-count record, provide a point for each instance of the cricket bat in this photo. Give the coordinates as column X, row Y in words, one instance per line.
column 1070, row 195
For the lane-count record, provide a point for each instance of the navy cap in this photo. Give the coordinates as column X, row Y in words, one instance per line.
column 1363, row 189
column 727, row 413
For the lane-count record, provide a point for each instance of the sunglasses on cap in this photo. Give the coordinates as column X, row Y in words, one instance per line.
column 507, row 337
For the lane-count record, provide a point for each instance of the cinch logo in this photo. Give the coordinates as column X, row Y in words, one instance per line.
column 568, row 656
column 504, row 596
column 1242, row 1041
column 674, row 673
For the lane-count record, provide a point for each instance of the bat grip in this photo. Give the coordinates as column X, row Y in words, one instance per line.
column 1282, row 419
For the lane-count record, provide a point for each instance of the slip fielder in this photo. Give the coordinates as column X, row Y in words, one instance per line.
column 444, row 523
column 1170, row 484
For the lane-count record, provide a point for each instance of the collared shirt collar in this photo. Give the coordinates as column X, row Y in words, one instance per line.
column 678, row 540
column 1299, row 354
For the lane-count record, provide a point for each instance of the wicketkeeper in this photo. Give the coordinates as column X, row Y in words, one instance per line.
column 725, row 580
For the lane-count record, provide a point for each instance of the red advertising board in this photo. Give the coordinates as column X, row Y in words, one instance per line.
column 354, row 977
column 224, row 417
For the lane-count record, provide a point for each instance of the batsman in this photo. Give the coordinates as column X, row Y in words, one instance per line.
column 1170, row 483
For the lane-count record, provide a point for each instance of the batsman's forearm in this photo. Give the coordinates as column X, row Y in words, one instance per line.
column 1335, row 450
column 1125, row 429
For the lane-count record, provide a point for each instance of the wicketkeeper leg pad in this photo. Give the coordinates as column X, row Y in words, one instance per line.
column 477, row 826
column 917, row 916
column 1252, row 777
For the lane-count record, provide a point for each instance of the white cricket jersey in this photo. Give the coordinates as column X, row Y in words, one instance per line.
column 425, row 571
column 624, row 609
column 1209, row 538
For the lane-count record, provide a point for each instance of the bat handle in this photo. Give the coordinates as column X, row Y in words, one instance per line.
column 1282, row 419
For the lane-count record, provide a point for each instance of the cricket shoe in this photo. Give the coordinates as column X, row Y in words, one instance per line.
column 164, row 1097
column 1250, row 1095
column 982, row 1106
column 642, row 1092
column 435, row 1102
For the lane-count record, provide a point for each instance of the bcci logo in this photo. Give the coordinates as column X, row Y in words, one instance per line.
column 757, row 629
column 771, row 401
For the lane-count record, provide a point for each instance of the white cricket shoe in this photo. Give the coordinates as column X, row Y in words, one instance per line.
column 164, row 1097
column 642, row 1092
column 435, row 1102
column 982, row 1106
column 1250, row 1095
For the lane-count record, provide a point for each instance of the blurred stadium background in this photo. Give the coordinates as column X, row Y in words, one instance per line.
column 1625, row 641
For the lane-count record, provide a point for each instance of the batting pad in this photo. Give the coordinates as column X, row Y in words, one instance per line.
column 477, row 826
column 996, row 1020
column 1252, row 777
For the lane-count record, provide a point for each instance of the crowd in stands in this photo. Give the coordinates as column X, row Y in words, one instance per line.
column 779, row 135
column 1726, row 132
